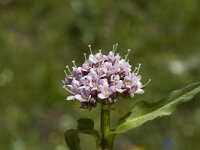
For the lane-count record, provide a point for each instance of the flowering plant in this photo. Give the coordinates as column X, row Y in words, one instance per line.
column 101, row 79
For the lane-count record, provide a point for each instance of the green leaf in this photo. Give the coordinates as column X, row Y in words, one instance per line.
column 86, row 126
column 72, row 139
column 143, row 111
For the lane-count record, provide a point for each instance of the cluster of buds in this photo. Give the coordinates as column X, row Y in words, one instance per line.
column 102, row 78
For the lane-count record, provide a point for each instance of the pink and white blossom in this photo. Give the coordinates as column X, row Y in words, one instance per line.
column 102, row 78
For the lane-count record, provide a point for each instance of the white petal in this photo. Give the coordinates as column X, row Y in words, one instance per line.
column 82, row 87
column 128, row 86
column 70, row 86
column 139, row 91
column 104, row 82
column 139, row 77
column 76, row 82
column 92, row 59
column 140, row 85
column 78, row 97
column 120, row 90
column 111, row 53
column 97, row 54
column 101, row 96
column 70, row 98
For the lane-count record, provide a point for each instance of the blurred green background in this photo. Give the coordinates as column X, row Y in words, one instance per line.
column 39, row 38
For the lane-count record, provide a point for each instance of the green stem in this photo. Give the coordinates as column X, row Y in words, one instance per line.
column 106, row 139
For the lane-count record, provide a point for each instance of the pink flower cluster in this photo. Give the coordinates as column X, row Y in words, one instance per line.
column 102, row 78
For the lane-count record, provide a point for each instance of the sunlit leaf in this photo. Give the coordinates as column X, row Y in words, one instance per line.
column 143, row 111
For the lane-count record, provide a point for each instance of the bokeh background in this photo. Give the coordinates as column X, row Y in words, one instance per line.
column 39, row 38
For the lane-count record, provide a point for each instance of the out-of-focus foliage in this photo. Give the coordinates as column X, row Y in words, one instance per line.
column 39, row 38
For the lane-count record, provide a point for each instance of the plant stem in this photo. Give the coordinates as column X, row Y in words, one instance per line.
column 106, row 141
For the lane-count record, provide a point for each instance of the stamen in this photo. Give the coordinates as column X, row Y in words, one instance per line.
column 90, row 48
column 138, row 69
column 67, row 89
column 126, row 56
column 115, row 47
column 65, row 73
column 63, row 81
column 100, row 51
column 68, row 69
column 74, row 63
column 146, row 83
column 85, row 56
column 135, row 70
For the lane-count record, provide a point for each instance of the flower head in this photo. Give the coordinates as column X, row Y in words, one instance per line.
column 102, row 78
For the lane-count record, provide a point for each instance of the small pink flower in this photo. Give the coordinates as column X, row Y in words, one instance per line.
column 102, row 78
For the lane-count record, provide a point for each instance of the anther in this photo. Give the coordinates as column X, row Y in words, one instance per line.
column 68, row 69
column 74, row 63
column 100, row 51
column 90, row 48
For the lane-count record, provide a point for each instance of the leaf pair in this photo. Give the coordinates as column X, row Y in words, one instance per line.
column 85, row 126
